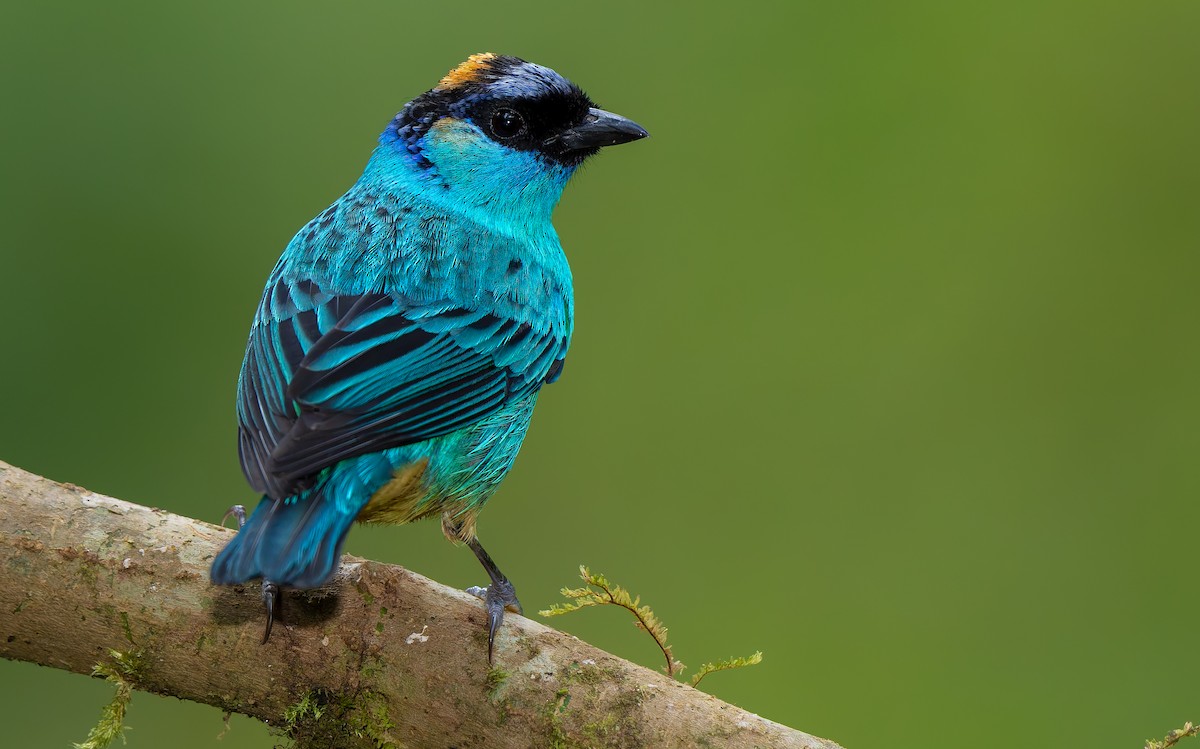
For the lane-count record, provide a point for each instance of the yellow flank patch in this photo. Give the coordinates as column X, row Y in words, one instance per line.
column 458, row 522
column 467, row 72
column 396, row 501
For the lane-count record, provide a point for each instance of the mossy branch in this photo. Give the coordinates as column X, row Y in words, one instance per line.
column 381, row 656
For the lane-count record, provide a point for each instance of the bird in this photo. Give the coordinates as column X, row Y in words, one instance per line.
column 404, row 336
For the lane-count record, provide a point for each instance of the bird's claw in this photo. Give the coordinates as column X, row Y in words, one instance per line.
column 497, row 597
column 238, row 512
column 271, row 597
column 273, row 601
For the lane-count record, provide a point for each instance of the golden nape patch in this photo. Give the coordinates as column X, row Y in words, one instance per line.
column 396, row 501
column 452, row 131
column 467, row 71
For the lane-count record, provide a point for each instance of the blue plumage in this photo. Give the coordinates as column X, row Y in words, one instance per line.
column 403, row 337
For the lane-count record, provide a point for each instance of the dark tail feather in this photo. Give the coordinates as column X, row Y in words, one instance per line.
column 296, row 544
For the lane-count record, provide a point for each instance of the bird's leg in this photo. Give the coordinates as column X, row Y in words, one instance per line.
column 271, row 597
column 497, row 596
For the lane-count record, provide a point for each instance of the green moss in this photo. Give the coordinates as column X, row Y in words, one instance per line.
column 88, row 574
column 309, row 707
column 726, row 665
column 123, row 672
column 616, row 713
column 321, row 718
column 606, row 726
column 598, row 591
column 1189, row 729
column 370, row 671
column 503, row 712
column 553, row 712
column 371, row 719
column 530, row 646
column 587, row 673
column 495, row 679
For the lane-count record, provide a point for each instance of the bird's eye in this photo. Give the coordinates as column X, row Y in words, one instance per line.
column 507, row 123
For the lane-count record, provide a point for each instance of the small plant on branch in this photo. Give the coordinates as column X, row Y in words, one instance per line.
column 725, row 665
column 598, row 591
column 122, row 673
column 1173, row 737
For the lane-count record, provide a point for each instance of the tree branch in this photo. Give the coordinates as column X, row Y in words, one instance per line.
column 381, row 655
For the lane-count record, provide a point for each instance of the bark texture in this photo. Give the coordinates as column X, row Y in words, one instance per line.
column 383, row 654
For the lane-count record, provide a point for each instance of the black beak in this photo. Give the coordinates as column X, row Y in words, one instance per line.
column 599, row 128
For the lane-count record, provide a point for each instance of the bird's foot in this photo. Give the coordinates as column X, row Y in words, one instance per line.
column 239, row 514
column 497, row 597
column 272, row 597
column 273, row 600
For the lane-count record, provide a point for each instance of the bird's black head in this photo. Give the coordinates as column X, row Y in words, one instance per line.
column 518, row 105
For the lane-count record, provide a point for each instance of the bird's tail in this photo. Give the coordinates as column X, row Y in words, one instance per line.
column 295, row 542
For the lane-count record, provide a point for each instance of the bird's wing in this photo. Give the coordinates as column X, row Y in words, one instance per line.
column 339, row 376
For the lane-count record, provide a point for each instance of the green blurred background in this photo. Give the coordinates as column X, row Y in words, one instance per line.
column 885, row 363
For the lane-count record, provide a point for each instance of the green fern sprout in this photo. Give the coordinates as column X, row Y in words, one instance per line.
column 598, row 591
column 725, row 665
column 601, row 592
column 1173, row 737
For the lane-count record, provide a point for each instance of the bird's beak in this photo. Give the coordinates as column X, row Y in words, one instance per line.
column 599, row 128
